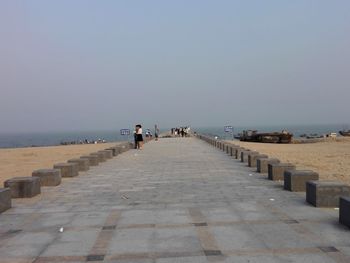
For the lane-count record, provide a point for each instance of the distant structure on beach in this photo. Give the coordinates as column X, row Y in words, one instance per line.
column 267, row 137
column 86, row 141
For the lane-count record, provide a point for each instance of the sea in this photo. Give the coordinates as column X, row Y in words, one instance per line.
column 19, row 140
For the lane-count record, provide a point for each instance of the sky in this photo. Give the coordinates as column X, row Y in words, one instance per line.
column 96, row 65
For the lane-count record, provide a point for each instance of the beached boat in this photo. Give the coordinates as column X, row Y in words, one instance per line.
column 268, row 137
column 344, row 133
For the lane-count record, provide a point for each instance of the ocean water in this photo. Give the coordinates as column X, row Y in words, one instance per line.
column 16, row 140
column 296, row 130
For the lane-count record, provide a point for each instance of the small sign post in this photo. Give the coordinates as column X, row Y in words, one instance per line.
column 125, row 132
column 229, row 129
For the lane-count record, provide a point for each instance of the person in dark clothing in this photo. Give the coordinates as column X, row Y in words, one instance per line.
column 135, row 138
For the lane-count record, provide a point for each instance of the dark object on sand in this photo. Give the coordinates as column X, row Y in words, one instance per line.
column 344, row 133
column 268, row 137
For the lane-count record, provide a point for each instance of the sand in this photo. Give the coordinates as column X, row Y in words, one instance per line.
column 330, row 158
column 22, row 161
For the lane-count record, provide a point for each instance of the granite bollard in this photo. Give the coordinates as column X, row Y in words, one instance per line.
column 326, row 193
column 114, row 150
column 93, row 159
column 233, row 150
column 23, row 187
column 238, row 151
column 101, row 156
column 344, row 210
column 244, row 156
column 262, row 164
column 295, row 180
column 118, row 149
column 253, row 156
column 83, row 164
column 276, row 170
column 67, row 169
column 107, row 153
column 48, row 177
column 123, row 148
column 5, row 199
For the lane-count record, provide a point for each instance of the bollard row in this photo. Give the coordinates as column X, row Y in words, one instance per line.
column 331, row 194
column 27, row 187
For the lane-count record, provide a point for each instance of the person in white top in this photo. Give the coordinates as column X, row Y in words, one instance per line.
column 139, row 136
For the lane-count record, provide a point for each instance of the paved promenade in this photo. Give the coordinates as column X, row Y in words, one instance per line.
column 178, row 200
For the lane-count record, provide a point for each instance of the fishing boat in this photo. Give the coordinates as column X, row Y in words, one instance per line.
column 344, row 133
column 267, row 137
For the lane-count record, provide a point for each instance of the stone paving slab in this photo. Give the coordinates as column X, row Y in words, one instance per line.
column 178, row 200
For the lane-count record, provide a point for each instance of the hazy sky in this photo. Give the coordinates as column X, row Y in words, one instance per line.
column 76, row 65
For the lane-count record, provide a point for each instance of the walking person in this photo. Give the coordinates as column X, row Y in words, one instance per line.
column 156, row 132
column 139, row 136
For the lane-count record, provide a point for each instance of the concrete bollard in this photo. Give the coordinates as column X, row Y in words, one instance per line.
column 48, row 177
column 5, row 199
column 262, row 164
column 123, row 148
column 253, row 156
column 67, row 169
column 325, row 193
column 233, row 151
column 244, row 156
column 238, row 151
column 23, row 187
column 101, row 156
column 107, row 153
column 276, row 170
column 93, row 159
column 83, row 164
column 295, row 180
column 118, row 150
column 114, row 150
column 344, row 210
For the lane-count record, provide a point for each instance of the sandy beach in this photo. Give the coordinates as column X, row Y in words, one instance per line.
column 22, row 161
column 330, row 158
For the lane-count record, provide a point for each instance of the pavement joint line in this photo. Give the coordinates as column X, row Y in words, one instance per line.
column 95, row 257
column 209, row 253
column 154, row 255
column 160, row 226
column 60, row 259
column 272, row 251
column 205, row 237
column 328, row 249
column 102, row 241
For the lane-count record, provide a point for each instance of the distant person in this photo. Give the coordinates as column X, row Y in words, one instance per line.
column 156, row 132
column 139, row 136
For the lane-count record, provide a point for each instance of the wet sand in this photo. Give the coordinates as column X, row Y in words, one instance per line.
column 330, row 158
column 22, row 161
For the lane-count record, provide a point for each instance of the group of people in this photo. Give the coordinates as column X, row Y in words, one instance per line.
column 138, row 135
column 182, row 131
